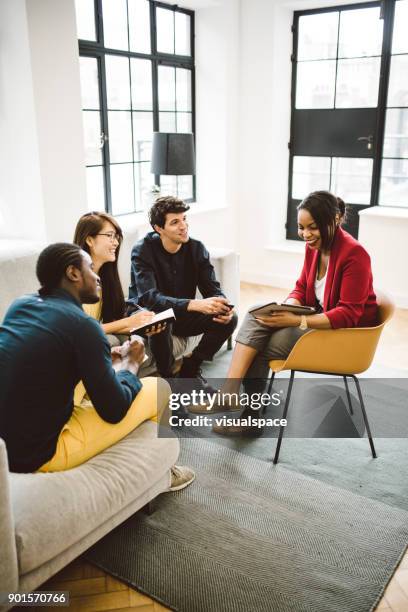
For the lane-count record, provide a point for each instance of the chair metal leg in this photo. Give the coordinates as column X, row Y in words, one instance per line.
column 360, row 397
column 348, row 395
column 285, row 412
column 229, row 343
column 272, row 378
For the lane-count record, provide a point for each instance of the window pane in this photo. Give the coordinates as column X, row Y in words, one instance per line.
column 115, row 30
column 396, row 133
column 117, row 82
column 315, row 84
column 165, row 30
column 398, row 86
column 399, row 38
column 142, row 136
column 310, row 174
column 360, row 32
column 394, row 182
column 184, row 122
column 95, row 188
column 185, row 187
column 168, row 185
column 318, row 36
column 144, row 182
column 182, row 34
column 183, row 89
column 141, row 84
column 92, row 138
column 357, row 82
column 122, row 189
column 85, row 19
column 167, row 122
column 167, row 88
column 88, row 67
column 351, row 179
column 139, row 26
column 120, row 137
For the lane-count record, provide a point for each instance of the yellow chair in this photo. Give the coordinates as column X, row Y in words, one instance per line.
column 335, row 352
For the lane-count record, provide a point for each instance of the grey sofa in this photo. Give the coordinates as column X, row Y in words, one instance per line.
column 47, row 520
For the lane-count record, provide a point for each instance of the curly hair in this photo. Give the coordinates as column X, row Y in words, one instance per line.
column 163, row 206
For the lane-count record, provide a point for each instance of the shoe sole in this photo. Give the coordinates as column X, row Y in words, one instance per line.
column 182, row 486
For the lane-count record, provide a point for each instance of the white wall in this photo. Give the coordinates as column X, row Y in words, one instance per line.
column 264, row 125
column 21, row 211
column 42, row 180
column 56, row 89
column 383, row 232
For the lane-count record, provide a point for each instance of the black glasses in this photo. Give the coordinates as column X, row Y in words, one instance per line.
column 111, row 235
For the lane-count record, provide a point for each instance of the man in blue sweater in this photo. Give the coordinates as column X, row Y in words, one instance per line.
column 47, row 345
column 167, row 269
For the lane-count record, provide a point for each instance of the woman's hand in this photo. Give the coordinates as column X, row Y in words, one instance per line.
column 156, row 329
column 280, row 319
column 142, row 317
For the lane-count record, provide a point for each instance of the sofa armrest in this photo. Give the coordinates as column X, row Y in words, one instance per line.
column 8, row 556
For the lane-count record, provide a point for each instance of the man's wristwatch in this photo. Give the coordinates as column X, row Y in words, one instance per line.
column 303, row 322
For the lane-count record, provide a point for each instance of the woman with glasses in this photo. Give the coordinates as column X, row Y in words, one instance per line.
column 100, row 235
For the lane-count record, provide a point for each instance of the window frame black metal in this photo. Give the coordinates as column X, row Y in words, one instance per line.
column 387, row 14
column 97, row 49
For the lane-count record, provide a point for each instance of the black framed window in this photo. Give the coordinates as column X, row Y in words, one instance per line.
column 137, row 77
column 341, row 81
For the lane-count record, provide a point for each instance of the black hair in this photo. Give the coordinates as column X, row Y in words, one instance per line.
column 113, row 300
column 53, row 262
column 164, row 205
column 324, row 207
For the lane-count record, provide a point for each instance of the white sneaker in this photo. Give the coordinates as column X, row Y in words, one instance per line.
column 181, row 477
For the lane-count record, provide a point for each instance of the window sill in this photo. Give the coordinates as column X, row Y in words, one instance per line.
column 287, row 246
column 387, row 212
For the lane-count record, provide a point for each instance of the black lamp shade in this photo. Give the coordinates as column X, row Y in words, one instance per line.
column 173, row 154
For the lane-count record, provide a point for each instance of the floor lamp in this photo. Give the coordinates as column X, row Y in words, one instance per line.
column 173, row 154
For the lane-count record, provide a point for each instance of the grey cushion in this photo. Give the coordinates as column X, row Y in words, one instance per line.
column 54, row 511
column 8, row 554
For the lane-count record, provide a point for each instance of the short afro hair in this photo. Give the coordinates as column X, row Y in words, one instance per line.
column 163, row 206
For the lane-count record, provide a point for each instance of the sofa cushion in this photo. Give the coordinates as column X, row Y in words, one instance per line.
column 53, row 511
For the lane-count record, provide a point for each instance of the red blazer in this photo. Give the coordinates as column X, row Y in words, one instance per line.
column 349, row 298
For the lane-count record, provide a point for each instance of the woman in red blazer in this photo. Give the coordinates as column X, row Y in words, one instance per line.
column 349, row 299
column 336, row 279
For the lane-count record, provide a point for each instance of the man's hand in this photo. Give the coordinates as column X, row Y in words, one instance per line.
column 224, row 319
column 280, row 319
column 134, row 349
column 116, row 354
column 129, row 356
column 217, row 306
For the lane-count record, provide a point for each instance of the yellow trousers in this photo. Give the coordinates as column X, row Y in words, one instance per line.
column 86, row 434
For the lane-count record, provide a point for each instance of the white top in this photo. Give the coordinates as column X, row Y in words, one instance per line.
column 320, row 285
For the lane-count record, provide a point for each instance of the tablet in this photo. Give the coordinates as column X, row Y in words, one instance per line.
column 270, row 307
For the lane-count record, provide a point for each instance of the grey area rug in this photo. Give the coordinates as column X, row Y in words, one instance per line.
column 252, row 537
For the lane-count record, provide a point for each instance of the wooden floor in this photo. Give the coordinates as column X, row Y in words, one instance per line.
column 92, row 590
